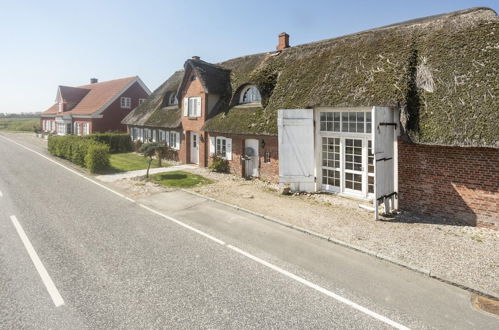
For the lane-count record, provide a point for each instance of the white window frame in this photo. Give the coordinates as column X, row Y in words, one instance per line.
column 77, row 128
column 218, row 142
column 174, row 140
column 342, row 136
column 193, row 107
column 86, row 128
column 257, row 97
column 125, row 102
column 141, row 101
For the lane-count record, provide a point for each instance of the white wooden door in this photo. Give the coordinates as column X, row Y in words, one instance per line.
column 251, row 165
column 384, row 136
column 194, row 148
column 296, row 149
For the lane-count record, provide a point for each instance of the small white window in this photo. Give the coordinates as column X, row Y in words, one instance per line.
column 172, row 100
column 250, row 94
column 174, row 140
column 126, row 102
column 223, row 147
column 192, row 107
column 141, row 101
column 86, row 128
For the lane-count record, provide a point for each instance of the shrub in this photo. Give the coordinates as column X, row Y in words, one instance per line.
column 218, row 164
column 117, row 142
column 80, row 150
column 136, row 145
column 97, row 157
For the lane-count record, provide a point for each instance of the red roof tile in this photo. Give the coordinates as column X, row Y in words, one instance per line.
column 88, row 99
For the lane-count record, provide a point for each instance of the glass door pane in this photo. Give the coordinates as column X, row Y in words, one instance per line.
column 353, row 165
column 331, row 163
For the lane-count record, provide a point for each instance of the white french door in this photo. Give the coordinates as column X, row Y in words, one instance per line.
column 346, row 165
column 353, row 165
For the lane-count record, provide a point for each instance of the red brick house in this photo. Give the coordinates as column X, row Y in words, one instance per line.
column 404, row 115
column 97, row 107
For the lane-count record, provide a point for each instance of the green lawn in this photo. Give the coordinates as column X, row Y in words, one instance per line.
column 125, row 162
column 19, row 124
column 179, row 179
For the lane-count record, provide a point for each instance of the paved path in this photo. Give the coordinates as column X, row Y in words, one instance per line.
column 133, row 174
column 178, row 261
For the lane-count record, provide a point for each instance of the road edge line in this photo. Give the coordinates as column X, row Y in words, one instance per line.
column 422, row 271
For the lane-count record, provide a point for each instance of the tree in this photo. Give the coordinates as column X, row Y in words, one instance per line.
column 153, row 149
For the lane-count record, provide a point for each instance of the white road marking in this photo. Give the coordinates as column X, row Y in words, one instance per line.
column 235, row 249
column 69, row 169
column 49, row 284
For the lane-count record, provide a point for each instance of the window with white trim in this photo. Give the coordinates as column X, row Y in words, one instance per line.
column 141, row 101
column 346, row 158
column 86, row 128
column 77, row 128
column 172, row 100
column 174, row 140
column 250, row 94
column 223, row 147
column 126, row 102
column 194, row 107
column 345, row 121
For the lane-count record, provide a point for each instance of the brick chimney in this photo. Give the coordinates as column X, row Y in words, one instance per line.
column 283, row 41
column 93, row 80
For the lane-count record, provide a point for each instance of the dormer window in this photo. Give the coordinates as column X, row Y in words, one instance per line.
column 250, row 94
column 172, row 99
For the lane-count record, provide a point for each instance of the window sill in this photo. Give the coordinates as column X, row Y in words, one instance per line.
column 193, row 118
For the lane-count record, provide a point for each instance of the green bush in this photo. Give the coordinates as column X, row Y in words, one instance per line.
column 80, row 150
column 218, row 164
column 97, row 157
column 117, row 142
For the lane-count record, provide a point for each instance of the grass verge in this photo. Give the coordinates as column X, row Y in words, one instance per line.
column 19, row 124
column 124, row 162
column 179, row 179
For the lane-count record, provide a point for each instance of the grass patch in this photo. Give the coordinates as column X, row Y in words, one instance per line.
column 179, row 179
column 124, row 162
column 19, row 124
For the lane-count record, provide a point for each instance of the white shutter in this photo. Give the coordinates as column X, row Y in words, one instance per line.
column 177, row 140
column 296, row 149
column 186, row 106
column 228, row 148
column 212, row 145
column 384, row 135
column 198, row 106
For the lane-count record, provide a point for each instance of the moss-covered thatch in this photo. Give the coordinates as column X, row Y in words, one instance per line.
column 441, row 71
column 155, row 111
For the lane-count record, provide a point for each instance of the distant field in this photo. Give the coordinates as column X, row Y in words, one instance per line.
column 19, row 124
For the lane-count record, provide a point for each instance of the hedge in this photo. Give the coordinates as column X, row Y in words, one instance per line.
column 117, row 142
column 80, row 150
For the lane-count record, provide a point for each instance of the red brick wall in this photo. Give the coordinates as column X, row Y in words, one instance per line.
column 193, row 89
column 450, row 182
column 268, row 171
column 114, row 114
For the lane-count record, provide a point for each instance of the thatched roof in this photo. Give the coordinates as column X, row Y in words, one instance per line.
column 442, row 71
column 155, row 111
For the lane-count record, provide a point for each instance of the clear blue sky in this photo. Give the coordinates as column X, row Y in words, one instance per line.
column 49, row 43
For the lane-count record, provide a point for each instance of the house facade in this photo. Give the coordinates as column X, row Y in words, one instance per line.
column 97, row 107
column 404, row 115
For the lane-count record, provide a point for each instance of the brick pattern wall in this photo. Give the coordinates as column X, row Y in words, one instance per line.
column 268, row 171
column 193, row 89
column 450, row 182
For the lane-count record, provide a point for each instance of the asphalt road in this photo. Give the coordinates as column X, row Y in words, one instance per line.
column 118, row 264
